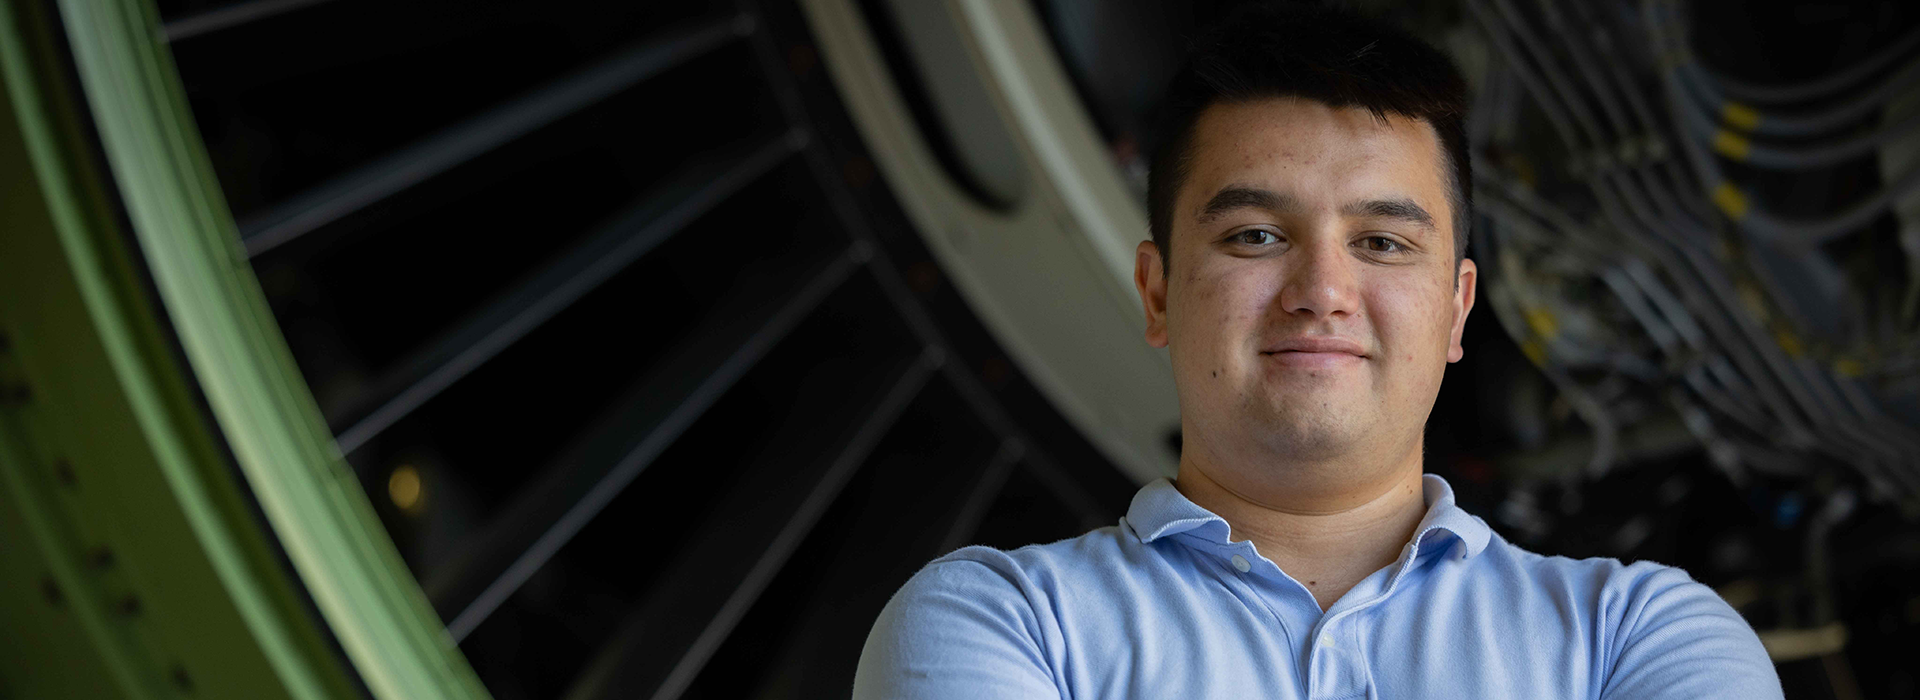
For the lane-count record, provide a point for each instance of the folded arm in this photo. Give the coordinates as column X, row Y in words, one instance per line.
column 1680, row 640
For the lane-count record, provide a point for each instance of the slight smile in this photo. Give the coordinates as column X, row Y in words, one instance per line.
column 1316, row 352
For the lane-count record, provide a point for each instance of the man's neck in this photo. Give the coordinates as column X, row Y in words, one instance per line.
column 1328, row 548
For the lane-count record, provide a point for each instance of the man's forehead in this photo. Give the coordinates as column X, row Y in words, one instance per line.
column 1284, row 117
column 1279, row 140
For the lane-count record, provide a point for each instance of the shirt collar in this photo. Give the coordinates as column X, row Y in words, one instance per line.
column 1159, row 510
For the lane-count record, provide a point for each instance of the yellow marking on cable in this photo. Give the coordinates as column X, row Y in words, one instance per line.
column 1788, row 342
column 1542, row 322
column 1756, row 303
column 1535, row 352
column 1730, row 200
column 1739, row 116
column 1849, row 368
column 1731, row 145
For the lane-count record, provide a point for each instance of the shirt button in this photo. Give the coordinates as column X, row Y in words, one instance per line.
column 1240, row 562
column 1326, row 640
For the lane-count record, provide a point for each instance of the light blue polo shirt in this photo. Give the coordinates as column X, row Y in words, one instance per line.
column 1163, row 605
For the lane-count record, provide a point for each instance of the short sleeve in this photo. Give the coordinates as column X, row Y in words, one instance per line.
column 960, row 628
column 1678, row 639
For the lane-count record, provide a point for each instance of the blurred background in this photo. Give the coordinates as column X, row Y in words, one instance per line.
column 577, row 349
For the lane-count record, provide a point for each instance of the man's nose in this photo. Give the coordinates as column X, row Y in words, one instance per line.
column 1320, row 281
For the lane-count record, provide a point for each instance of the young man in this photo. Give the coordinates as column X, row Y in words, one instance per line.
column 1307, row 275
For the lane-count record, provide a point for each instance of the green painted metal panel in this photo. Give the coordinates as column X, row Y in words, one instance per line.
column 273, row 427
column 134, row 566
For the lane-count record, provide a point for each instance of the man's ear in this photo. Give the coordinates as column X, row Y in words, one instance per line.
column 1151, row 280
column 1463, row 293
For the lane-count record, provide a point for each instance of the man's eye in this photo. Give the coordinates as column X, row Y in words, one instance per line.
column 1254, row 236
column 1381, row 244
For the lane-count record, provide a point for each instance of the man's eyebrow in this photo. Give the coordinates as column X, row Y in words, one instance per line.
column 1242, row 197
column 1398, row 209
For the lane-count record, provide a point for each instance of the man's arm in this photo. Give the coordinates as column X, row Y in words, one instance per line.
column 959, row 629
column 1680, row 640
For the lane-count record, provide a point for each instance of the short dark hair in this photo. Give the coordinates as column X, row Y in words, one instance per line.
column 1336, row 57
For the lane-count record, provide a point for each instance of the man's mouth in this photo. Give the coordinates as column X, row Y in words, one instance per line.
column 1316, row 345
column 1316, row 353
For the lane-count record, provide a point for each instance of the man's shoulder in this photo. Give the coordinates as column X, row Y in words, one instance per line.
column 1622, row 593
column 1598, row 573
column 1099, row 548
column 1105, row 559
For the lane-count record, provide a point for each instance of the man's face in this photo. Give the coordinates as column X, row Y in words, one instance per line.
column 1313, row 301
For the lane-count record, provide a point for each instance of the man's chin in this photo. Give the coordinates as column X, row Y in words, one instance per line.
column 1304, row 433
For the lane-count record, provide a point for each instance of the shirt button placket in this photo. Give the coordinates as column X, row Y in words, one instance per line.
column 1334, row 672
column 1240, row 564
